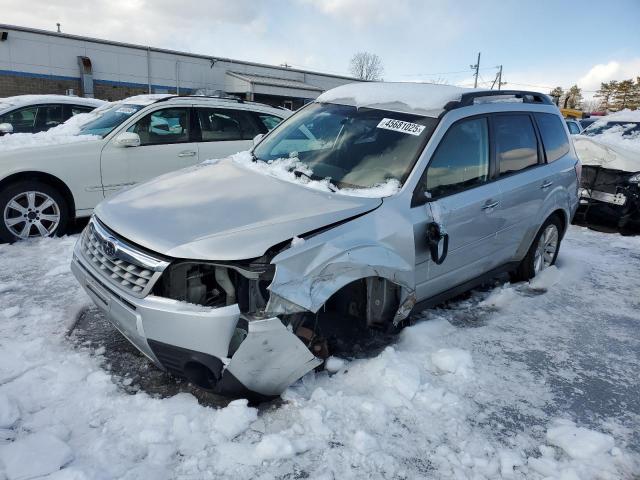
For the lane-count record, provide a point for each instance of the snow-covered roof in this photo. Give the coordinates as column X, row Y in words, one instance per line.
column 274, row 81
column 23, row 100
column 621, row 116
column 147, row 99
column 421, row 98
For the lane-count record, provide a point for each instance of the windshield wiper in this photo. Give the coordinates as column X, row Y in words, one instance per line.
column 299, row 173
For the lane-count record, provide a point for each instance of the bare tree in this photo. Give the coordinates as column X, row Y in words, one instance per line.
column 366, row 66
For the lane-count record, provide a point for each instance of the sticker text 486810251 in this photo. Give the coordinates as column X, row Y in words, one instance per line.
column 401, row 126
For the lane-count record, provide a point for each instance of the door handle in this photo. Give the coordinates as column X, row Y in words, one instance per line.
column 546, row 184
column 187, row 153
column 489, row 205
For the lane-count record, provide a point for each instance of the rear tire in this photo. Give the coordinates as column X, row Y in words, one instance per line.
column 32, row 209
column 543, row 251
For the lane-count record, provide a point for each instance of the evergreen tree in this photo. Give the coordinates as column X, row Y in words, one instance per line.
column 623, row 96
column 573, row 98
column 605, row 94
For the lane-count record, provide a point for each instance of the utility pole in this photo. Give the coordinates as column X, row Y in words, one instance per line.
column 58, row 25
column 285, row 65
column 477, row 68
column 500, row 78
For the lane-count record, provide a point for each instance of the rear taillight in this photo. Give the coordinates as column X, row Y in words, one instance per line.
column 578, row 168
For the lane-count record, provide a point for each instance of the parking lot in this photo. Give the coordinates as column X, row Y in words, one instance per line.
column 528, row 380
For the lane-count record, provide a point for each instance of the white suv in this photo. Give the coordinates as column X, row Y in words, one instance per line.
column 55, row 179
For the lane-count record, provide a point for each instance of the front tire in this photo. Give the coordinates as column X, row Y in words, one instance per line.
column 543, row 251
column 32, row 209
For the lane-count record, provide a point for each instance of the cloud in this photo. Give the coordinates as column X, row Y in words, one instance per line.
column 604, row 72
column 361, row 12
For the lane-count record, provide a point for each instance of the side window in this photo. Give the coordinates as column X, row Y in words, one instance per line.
column 515, row 142
column 218, row 124
column 267, row 121
column 170, row 125
column 461, row 161
column 49, row 116
column 554, row 138
column 23, row 119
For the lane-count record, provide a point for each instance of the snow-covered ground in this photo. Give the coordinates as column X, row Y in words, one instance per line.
column 520, row 381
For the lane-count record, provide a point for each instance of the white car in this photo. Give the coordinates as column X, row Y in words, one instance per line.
column 38, row 113
column 55, row 179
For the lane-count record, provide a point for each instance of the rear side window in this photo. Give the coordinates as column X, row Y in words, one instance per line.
column 554, row 138
column 461, row 161
column 515, row 142
column 217, row 124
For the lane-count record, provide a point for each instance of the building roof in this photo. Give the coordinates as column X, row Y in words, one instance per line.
column 274, row 81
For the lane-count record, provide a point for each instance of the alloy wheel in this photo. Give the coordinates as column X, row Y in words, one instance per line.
column 546, row 249
column 31, row 214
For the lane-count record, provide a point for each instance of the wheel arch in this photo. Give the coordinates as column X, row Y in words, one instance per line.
column 47, row 178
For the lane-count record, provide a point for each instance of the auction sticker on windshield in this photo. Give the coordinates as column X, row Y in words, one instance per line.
column 400, row 126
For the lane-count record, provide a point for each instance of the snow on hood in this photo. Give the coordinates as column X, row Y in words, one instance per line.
column 223, row 211
column 284, row 168
column 611, row 149
column 421, row 98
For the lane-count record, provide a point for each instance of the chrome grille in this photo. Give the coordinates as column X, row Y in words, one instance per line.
column 118, row 262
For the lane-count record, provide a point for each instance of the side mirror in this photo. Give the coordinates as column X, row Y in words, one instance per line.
column 127, row 139
column 257, row 139
column 6, row 128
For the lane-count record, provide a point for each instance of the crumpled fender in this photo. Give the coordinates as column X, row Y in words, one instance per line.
column 308, row 279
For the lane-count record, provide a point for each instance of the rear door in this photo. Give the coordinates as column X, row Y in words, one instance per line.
column 167, row 143
column 224, row 131
column 464, row 201
column 522, row 177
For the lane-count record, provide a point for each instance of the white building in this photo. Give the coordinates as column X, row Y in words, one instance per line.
column 38, row 61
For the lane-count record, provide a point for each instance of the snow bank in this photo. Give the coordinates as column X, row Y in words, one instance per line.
column 424, row 98
column 285, row 168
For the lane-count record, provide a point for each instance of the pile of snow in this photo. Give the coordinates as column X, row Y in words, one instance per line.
column 468, row 392
column 285, row 168
column 423, row 98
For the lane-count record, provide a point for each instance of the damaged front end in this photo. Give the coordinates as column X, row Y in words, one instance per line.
column 610, row 195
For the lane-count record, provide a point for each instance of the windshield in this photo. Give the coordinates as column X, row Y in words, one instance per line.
column 353, row 148
column 109, row 120
column 626, row 129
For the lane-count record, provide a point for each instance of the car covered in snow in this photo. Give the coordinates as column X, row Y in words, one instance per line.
column 50, row 178
column 375, row 200
column 609, row 150
column 39, row 113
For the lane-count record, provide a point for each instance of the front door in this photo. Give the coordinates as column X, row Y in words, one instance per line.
column 459, row 197
column 166, row 144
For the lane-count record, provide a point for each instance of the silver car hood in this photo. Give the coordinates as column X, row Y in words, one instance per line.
column 222, row 212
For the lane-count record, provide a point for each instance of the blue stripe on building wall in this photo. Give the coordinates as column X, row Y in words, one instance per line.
column 100, row 82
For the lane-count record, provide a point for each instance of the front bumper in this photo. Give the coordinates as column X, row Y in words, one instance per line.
column 185, row 339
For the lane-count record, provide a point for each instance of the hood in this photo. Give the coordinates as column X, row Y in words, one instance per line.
column 222, row 212
column 594, row 152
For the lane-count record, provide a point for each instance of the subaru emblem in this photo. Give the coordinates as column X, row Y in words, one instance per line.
column 109, row 248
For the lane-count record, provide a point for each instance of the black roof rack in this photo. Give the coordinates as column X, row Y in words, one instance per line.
column 468, row 99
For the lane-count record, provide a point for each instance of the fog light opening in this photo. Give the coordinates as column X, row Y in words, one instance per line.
column 200, row 375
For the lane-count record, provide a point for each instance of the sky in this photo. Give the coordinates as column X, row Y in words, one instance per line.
column 541, row 44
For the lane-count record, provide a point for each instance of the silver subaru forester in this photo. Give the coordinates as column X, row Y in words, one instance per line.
column 372, row 202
